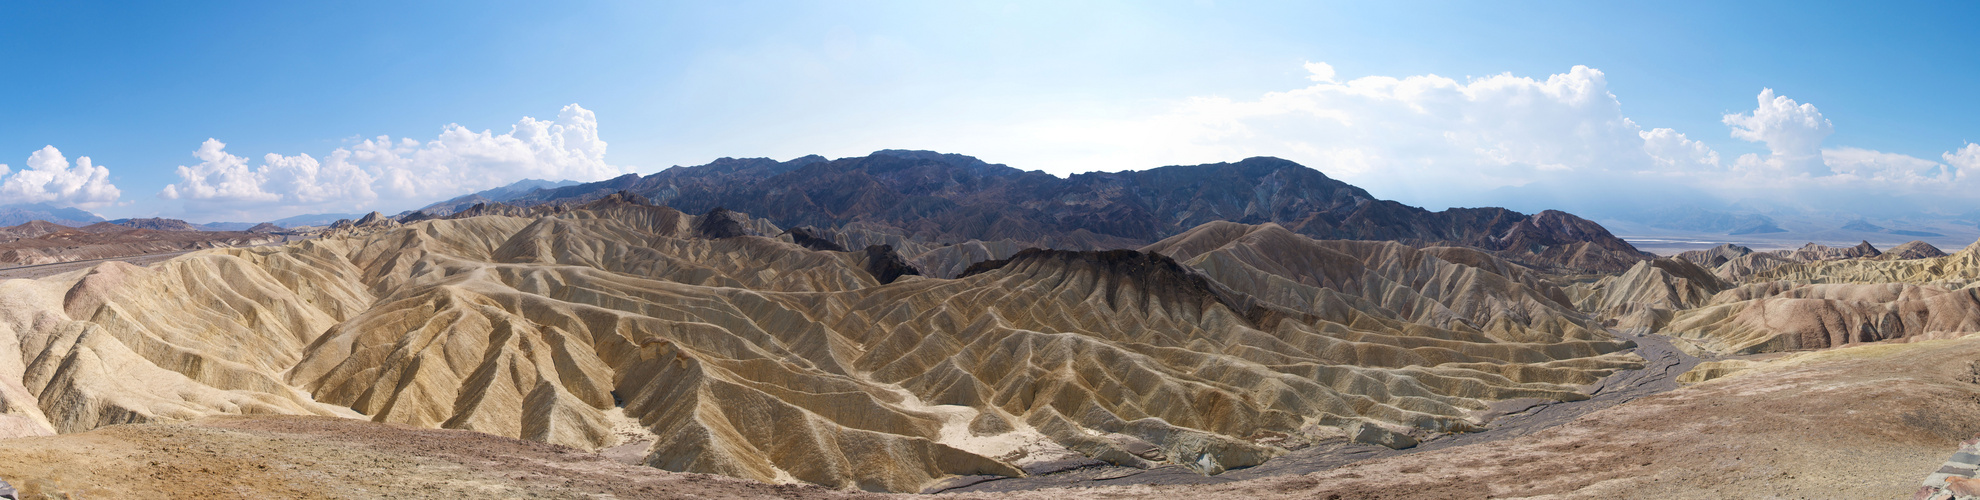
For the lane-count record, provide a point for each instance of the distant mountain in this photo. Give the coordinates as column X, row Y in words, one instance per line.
column 497, row 195
column 1694, row 219
column 12, row 215
column 312, row 220
column 1758, row 224
column 157, row 224
column 226, row 226
column 1866, row 226
column 948, row 198
column 1862, row 225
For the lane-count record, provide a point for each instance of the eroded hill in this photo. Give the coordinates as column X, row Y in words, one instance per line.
column 1731, row 300
column 729, row 348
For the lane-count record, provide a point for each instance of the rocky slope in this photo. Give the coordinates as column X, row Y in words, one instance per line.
column 1759, row 302
column 1747, row 434
column 946, row 199
column 1912, row 250
column 1783, row 316
column 734, row 350
column 1649, row 295
column 1736, row 263
column 1960, row 269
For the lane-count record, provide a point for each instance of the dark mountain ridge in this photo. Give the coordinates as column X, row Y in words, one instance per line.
column 949, row 198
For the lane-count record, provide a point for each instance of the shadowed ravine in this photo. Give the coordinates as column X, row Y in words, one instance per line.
column 1512, row 419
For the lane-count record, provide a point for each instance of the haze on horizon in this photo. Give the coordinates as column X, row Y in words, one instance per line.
column 254, row 112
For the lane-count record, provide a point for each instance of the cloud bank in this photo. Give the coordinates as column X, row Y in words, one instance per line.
column 1562, row 141
column 384, row 171
column 50, row 179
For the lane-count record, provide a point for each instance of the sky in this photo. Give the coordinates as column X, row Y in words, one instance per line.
column 253, row 111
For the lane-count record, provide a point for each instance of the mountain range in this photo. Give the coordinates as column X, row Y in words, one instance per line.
column 945, row 199
column 17, row 214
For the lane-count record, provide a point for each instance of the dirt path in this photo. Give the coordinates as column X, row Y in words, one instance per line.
column 1515, row 418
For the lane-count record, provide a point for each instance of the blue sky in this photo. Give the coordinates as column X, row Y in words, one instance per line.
column 1037, row 85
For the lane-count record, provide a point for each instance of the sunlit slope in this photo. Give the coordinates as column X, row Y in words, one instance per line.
column 758, row 358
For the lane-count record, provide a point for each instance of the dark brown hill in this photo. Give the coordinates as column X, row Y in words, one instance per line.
column 156, row 224
column 31, row 229
column 946, row 198
column 105, row 240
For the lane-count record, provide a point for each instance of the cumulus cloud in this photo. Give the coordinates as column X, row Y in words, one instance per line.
column 219, row 176
column 1792, row 131
column 383, row 169
column 1866, row 164
column 1320, row 72
column 1965, row 161
column 1427, row 139
column 1672, row 150
column 49, row 178
column 1559, row 141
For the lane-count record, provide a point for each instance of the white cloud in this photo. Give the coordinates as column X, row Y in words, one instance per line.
column 1415, row 138
column 1965, row 162
column 382, row 169
column 1792, row 131
column 1674, row 151
column 50, row 179
column 1320, row 72
column 1562, row 141
column 1866, row 164
column 219, row 177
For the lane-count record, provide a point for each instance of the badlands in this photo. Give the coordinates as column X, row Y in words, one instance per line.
column 910, row 323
